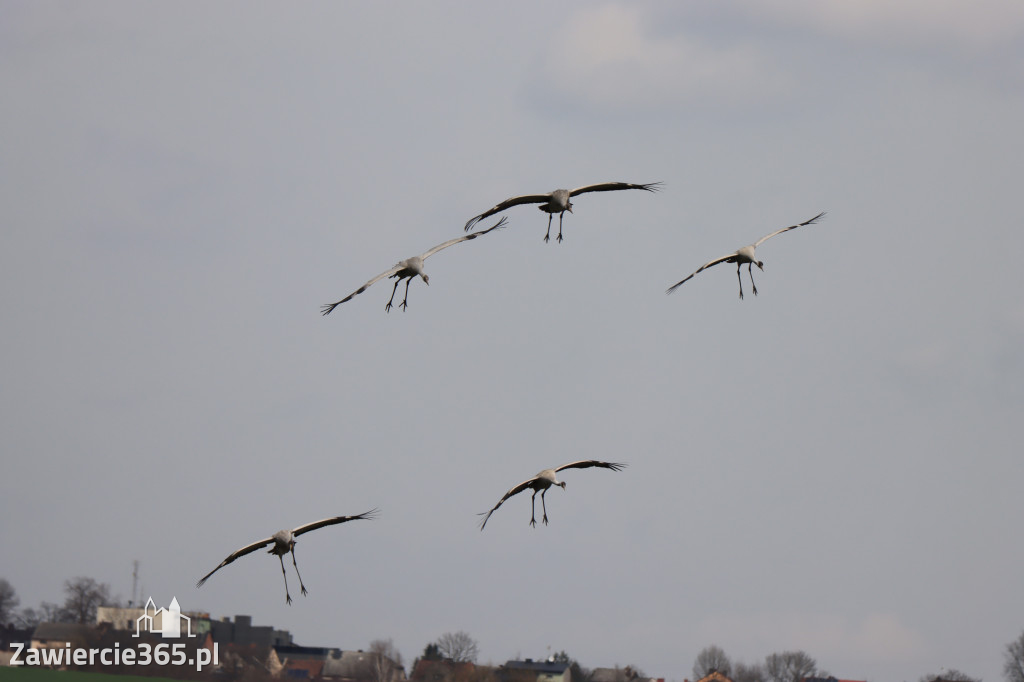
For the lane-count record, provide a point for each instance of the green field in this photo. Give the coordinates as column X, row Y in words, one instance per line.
column 22, row 674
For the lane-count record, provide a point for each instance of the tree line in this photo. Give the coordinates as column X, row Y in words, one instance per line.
column 82, row 596
column 794, row 666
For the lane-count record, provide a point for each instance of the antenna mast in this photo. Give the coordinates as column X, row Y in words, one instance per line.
column 135, row 583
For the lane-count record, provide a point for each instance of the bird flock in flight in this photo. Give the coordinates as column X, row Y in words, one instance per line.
column 558, row 201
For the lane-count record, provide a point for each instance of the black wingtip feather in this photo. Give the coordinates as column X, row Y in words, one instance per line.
column 816, row 218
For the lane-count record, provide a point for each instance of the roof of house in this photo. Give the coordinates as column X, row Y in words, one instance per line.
column 626, row 674
column 715, row 676
column 427, row 669
column 607, row 675
column 304, row 669
column 60, row 631
column 294, row 652
column 550, row 667
column 354, row 664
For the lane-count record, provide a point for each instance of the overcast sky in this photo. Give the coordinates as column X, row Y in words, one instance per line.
column 829, row 466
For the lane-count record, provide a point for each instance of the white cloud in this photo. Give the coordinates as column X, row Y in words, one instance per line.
column 612, row 56
column 623, row 57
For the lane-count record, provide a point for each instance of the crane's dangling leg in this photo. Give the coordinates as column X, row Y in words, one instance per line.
column 750, row 272
column 405, row 301
column 559, row 241
column 287, row 596
column 547, row 235
column 533, row 508
column 544, row 506
column 303, row 587
column 387, row 308
column 738, row 266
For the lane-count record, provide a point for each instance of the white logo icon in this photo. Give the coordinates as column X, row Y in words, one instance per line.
column 167, row 621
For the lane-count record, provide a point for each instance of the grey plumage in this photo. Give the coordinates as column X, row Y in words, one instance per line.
column 408, row 269
column 283, row 542
column 558, row 202
column 544, row 480
column 746, row 255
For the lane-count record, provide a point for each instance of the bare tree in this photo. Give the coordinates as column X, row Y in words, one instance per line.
column 54, row 613
column 387, row 660
column 789, row 666
column 28, row 619
column 82, row 597
column 710, row 659
column 459, row 647
column 1013, row 668
column 386, row 647
column 8, row 601
column 741, row 672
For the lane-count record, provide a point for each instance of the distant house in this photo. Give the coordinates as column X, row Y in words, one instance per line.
column 294, row 652
column 531, row 670
column 236, row 658
column 302, row 670
column 241, row 631
column 607, row 675
column 445, row 670
column 296, row 661
column 307, row 662
column 150, row 618
column 244, row 633
column 361, row 666
column 715, row 676
column 58, row 635
column 628, row 674
column 10, row 635
column 166, row 622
